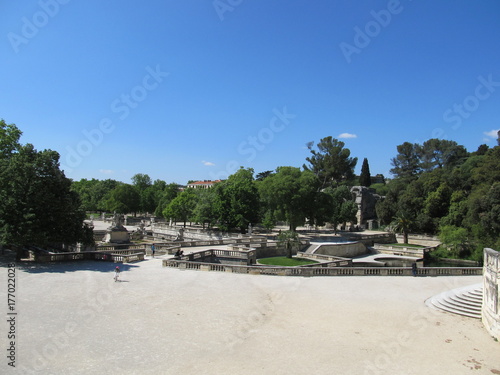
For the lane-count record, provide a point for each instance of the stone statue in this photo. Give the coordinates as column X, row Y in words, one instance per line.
column 180, row 235
column 117, row 220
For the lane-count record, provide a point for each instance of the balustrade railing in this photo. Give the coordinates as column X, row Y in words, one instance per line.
column 324, row 271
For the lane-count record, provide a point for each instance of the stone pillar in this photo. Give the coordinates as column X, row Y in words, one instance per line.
column 491, row 284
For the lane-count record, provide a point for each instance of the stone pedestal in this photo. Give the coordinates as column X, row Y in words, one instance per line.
column 117, row 235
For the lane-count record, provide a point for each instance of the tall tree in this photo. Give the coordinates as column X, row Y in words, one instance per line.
column 403, row 224
column 204, row 211
column 237, row 201
column 289, row 240
column 37, row 205
column 169, row 193
column 441, row 153
column 141, row 181
column 124, row 199
column 147, row 194
column 289, row 194
column 343, row 207
column 331, row 163
column 407, row 163
column 365, row 178
column 182, row 206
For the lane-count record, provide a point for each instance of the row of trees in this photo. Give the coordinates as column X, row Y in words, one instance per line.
column 440, row 188
column 288, row 194
column 316, row 194
column 143, row 195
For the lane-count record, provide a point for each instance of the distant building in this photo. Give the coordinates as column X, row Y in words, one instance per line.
column 202, row 184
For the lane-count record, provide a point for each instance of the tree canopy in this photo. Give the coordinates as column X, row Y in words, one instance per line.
column 37, row 205
column 331, row 163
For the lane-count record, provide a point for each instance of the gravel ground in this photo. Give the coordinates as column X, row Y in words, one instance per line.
column 74, row 319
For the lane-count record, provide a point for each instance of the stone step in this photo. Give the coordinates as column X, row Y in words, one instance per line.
column 459, row 305
column 475, row 294
column 463, row 301
column 450, row 309
column 469, row 301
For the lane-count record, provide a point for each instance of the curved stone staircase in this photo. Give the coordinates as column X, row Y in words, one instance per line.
column 465, row 301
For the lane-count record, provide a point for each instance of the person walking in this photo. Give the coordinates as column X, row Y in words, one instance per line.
column 117, row 273
column 414, row 269
column 153, row 250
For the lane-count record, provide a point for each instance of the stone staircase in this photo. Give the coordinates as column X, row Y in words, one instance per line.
column 465, row 301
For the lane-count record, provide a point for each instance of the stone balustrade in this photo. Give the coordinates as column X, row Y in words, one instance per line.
column 118, row 256
column 322, row 271
column 220, row 256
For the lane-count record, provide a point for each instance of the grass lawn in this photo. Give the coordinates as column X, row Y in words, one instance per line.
column 284, row 261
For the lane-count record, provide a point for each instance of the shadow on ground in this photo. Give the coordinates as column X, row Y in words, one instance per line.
column 63, row 267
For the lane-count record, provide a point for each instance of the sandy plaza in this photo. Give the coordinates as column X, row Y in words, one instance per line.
column 72, row 318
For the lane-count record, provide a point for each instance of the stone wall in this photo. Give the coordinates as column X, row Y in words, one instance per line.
column 342, row 249
column 491, row 285
column 420, row 239
column 161, row 231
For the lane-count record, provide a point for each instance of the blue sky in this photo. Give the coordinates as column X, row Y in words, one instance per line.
column 194, row 89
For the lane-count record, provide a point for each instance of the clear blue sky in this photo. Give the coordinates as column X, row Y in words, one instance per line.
column 193, row 89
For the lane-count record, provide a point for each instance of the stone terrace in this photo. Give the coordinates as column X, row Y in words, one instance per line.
column 73, row 318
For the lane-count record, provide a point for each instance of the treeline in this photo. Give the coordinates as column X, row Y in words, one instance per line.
column 316, row 194
column 440, row 188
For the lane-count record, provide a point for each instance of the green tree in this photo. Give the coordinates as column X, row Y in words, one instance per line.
column 147, row 193
column 9, row 139
column 169, row 193
column 441, row 153
column 343, row 209
column 237, row 201
column 403, row 224
column 290, row 241
column 406, row 164
column 455, row 240
column 332, row 163
column 181, row 208
column 37, row 205
column 204, row 211
column 262, row 175
column 365, row 178
column 124, row 199
column 141, row 181
column 289, row 194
